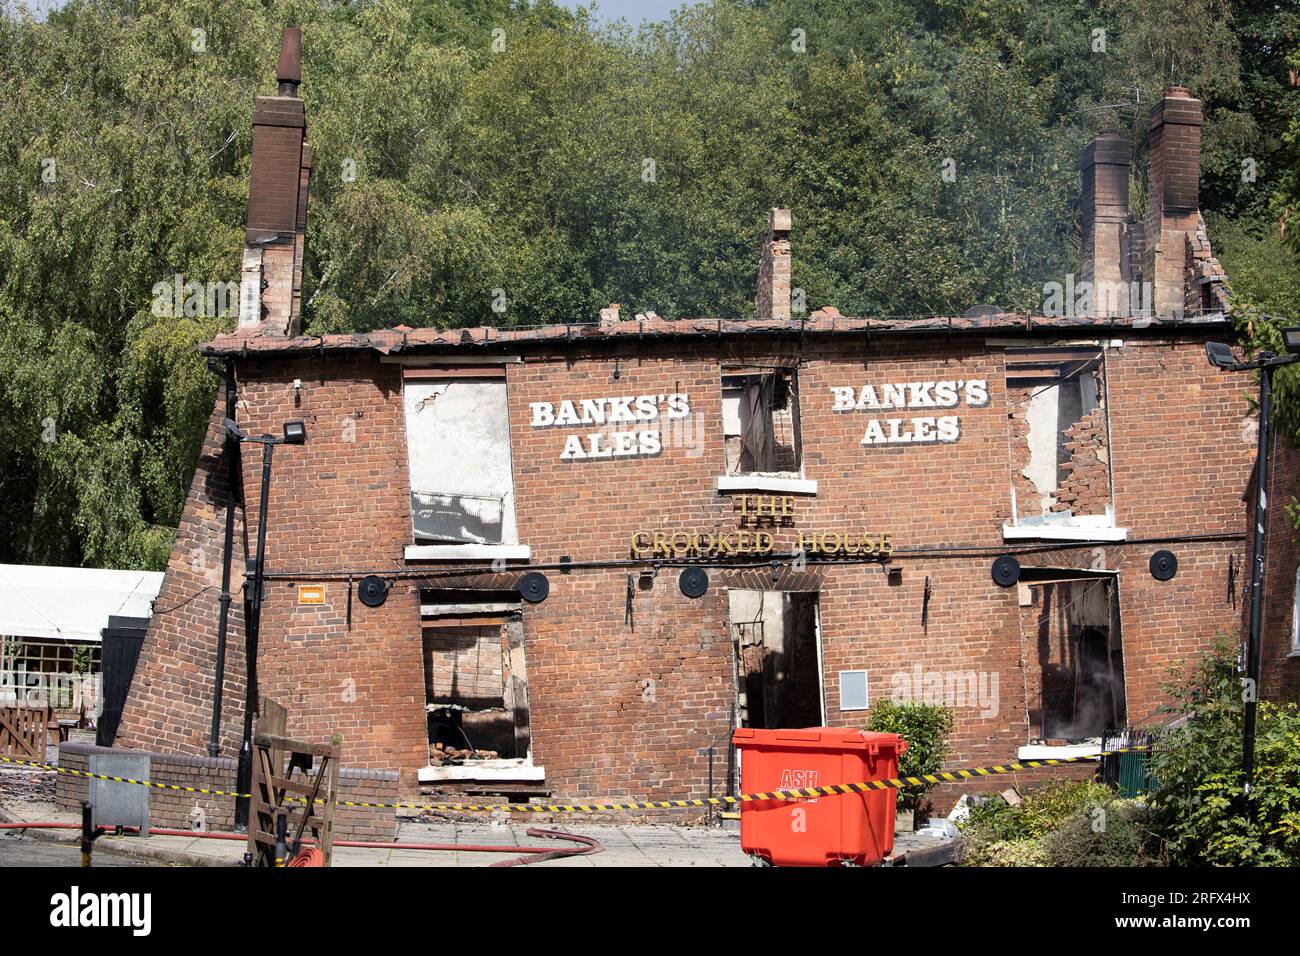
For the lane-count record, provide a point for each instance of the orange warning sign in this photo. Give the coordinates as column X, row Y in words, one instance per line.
column 311, row 594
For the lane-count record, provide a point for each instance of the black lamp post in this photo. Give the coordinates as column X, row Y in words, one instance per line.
column 295, row 433
column 1221, row 356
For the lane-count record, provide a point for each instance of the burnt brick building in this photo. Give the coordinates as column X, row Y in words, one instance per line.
column 845, row 483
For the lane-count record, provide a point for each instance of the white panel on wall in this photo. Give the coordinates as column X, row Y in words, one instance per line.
column 853, row 690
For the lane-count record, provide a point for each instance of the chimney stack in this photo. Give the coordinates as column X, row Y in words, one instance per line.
column 1105, row 166
column 271, row 283
column 288, row 72
column 773, row 300
column 609, row 316
column 1173, row 196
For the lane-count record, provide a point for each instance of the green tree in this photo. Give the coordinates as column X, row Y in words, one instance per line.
column 507, row 162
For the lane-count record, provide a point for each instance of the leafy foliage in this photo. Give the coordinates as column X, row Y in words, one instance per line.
column 925, row 727
column 1198, row 805
column 1063, row 823
column 1117, row 833
column 555, row 164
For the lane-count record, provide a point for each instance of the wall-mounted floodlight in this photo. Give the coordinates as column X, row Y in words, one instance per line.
column 1292, row 338
column 1220, row 354
column 295, row 432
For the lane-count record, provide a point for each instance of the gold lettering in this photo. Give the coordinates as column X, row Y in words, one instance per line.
column 640, row 550
column 679, row 550
column 660, row 544
column 763, row 542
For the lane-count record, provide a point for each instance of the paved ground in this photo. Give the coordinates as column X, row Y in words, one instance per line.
column 24, row 851
column 622, row 846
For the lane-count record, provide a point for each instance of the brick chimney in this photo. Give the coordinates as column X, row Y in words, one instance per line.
column 271, row 281
column 773, row 300
column 1105, row 167
column 1173, row 200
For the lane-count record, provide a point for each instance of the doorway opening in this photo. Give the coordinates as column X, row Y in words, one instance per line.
column 778, row 658
column 475, row 685
column 1076, row 691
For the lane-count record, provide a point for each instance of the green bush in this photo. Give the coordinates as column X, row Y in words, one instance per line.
column 1005, row 853
column 1117, row 833
column 925, row 727
column 1197, row 804
column 999, row 834
column 1051, row 805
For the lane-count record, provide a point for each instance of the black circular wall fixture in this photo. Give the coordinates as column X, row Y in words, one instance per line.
column 1164, row 565
column 1006, row 571
column 534, row 587
column 373, row 590
column 693, row 582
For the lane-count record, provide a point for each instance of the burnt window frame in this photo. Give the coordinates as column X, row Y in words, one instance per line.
column 453, row 372
column 727, row 374
column 1051, row 365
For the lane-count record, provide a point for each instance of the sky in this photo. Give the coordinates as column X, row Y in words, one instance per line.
column 633, row 11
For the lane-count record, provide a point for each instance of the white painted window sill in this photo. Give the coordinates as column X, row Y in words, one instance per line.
column 1046, row 752
column 771, row 483
column 468, row 552
column 518, row 771
column 1295, row 652
column 1041, row 532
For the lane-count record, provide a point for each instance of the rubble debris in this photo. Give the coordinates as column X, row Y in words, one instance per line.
column 441, row 753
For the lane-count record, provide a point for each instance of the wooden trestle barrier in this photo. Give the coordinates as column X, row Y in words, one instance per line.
column 304, row 803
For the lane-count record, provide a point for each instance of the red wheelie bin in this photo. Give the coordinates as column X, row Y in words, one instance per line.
column 852, row 829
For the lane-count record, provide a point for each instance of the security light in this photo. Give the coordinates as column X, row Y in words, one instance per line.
column 1292, row 338
column 1220, row 354
column 295, row 432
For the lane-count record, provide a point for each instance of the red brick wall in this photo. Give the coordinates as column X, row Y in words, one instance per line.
column 1182, row 439
column 621, row 708
column 170, row 703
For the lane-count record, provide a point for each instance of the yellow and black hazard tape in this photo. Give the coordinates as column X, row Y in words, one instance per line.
column 867, row 786
column 68, row 771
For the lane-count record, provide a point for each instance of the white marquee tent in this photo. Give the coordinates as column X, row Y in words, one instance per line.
column 71, row 604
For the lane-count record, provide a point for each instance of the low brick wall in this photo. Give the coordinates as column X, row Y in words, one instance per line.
column 172, row 808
